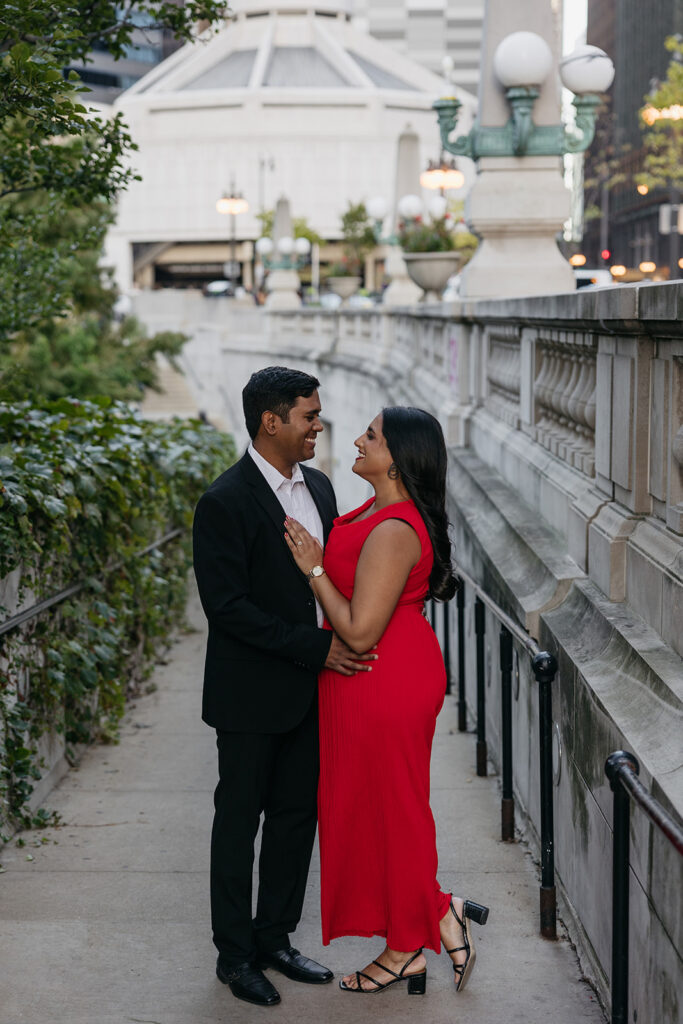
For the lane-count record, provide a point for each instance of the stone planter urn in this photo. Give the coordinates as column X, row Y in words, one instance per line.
column 431, row 270
column 344, row 286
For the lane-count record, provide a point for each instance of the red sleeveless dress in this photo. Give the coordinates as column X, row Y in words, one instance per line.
column 376, row 830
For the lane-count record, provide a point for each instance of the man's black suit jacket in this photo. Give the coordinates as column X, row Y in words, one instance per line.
column 264, row 649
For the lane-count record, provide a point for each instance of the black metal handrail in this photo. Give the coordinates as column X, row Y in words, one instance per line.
column 622, row 770
column 544, row 667
column 63, row 595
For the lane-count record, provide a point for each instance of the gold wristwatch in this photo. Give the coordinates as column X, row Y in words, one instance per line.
column 315, row 573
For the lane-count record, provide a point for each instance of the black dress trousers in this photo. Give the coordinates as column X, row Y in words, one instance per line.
column 277, row 774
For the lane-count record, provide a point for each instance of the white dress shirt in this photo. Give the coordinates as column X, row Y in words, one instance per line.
column 295, row 498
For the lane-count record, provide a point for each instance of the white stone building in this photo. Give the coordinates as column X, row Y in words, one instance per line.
column 282, row 101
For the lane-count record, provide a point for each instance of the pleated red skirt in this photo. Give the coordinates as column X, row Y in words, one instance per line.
column 376, row 829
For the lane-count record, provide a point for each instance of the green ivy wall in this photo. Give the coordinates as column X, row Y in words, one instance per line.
column 85, row 488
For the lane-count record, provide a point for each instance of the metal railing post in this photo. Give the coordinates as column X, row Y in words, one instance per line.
column 545, row 669
column 447, row 645
column 480, row 630
column 507, row 806
column 462, row 705
column 620, row 902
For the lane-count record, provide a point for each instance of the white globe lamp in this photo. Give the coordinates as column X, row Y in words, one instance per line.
column 377, row 208
column 264, row 246
column 302, row 246
column 410, row 206
column 437, row 207
column 522, row 59
column 587, row 69
column 285, row 245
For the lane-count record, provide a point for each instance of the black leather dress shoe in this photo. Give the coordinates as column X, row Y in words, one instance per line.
column 295, row 966
column 247, row 982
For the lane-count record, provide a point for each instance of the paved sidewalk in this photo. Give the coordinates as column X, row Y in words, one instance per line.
column 109, row 922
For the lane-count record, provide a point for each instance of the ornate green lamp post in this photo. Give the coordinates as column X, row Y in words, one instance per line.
column 522, row 62
column 282, row 256
column 518, row 203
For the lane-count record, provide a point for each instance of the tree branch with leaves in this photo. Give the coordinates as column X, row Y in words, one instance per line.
column 56, row 156
column 662, row 125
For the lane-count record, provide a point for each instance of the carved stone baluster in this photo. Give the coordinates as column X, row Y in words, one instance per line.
column 540, row 388
column 577, row 399
column 543, row 375
column 548, row 419
column 589, row 461
column 573, row 443
column 585, row 388
column 561, row 433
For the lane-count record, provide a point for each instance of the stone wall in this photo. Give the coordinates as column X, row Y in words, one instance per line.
column 564, row 420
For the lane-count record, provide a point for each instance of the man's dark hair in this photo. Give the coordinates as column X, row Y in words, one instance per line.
column 274, row 389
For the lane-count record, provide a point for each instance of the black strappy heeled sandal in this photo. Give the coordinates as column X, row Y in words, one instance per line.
column 417, row 983
column 470, row 912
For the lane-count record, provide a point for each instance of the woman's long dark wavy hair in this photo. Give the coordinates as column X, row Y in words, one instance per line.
column 415, row 440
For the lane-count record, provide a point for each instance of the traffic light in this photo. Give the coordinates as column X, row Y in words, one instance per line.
column 606, row 254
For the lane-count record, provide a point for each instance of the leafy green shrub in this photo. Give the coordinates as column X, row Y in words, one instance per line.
column 433, row 235
column 84, row 488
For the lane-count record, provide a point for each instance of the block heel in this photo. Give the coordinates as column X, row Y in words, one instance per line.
column 476, row 912
column 471, row 911
column 417, row 984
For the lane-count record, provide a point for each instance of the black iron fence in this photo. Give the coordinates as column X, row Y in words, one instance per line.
column 544, row 666
column 63, row 595
column 621, row 769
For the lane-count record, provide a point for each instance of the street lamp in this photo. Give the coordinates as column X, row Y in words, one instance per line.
column 231, row 205
column 521, row 63
column 292, row 253
column 444, row 175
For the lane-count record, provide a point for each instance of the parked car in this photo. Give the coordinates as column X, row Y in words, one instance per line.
column 599, row 277
column 328, row 300
column 360, row 302
column 219, row 289
column 451, row 292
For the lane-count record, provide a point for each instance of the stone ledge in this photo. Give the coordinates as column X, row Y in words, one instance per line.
column 625, row 309
column 636, row 680
column 522, row 559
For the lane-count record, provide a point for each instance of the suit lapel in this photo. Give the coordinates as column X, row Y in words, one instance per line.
column 266, row 498
column 321, row 499
column 264, row 494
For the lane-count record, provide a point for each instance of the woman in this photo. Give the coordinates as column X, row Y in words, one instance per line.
column 377, row 835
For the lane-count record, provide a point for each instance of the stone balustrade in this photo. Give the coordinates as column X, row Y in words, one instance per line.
column 594, row 380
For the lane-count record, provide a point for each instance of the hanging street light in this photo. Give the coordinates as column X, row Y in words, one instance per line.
column 232, row 204
column 444, row 176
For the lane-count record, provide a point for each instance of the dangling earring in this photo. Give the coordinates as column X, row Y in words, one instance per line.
column 392, row 472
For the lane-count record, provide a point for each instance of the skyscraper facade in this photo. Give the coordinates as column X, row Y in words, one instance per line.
column 107, row 78
column 428, row 30
column 625, row 223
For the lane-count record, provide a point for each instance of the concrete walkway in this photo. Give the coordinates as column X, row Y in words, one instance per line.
column 105, row 920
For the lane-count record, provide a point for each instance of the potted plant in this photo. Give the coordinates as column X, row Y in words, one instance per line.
column 434, row 248
column 344, row 277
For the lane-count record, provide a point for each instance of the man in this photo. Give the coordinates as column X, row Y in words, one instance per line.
column 265, row 649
